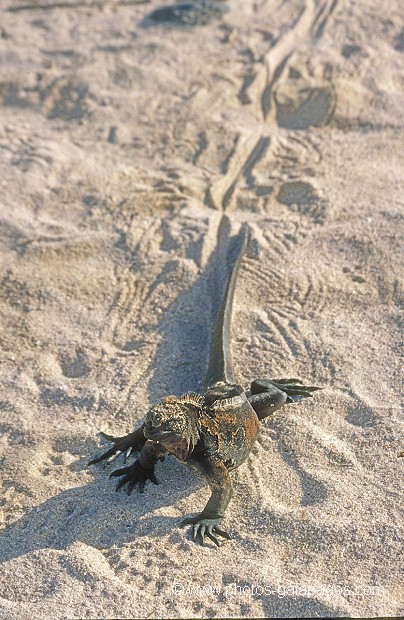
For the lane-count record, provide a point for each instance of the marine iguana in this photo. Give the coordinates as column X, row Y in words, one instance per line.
column 213, row 431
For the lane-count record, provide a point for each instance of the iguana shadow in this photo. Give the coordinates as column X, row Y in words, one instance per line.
column 97, row 516
column 114, row 518
column 186, row 328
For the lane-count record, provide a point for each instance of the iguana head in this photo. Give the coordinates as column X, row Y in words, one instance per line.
column 173, row 422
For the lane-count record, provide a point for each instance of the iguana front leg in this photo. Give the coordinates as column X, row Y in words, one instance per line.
column 269, row 395
column 208, row 521
column 142, row 469
column 122, row 445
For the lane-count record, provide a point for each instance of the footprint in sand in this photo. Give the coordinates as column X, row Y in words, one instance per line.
column 187, row 14
column 297, row 192
column 306, row 107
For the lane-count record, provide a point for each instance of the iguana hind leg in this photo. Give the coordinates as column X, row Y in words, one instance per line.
column 269, row 395
column 266, row 403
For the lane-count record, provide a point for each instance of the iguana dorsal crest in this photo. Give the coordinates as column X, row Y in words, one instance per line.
column 166, row 400
column 190, row 398
column 229, row 403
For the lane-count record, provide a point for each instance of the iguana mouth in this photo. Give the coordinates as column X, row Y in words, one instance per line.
column 152, row 433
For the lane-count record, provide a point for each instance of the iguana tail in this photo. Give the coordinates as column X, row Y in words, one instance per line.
column 220, row 368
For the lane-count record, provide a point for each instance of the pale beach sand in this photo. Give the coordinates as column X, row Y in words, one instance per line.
column 122, row 142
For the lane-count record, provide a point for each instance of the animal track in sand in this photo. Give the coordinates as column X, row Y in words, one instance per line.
column 187, row 14
column 350, row 50
column 303, row 197
column 289, row 99
column 277, row 333
column 306, row 107
column 263, row 81
column 135, row 311
column 65, row 98
column 297, row 192
column 399, row 42
column 309, row 291
column 11, row 94
column 278, row 236
column 245, row 170
column 74, row 366
column 293, row 297
column 248, row 150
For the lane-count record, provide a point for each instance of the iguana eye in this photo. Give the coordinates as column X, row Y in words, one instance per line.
column 157, row 419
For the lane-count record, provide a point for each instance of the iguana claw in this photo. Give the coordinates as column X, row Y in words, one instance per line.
column 133, row 475
column 205, row 527
column 121, row 445
column 114, row 456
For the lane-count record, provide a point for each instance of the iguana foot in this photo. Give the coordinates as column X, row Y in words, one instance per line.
column 122, row 445
column 293, row 388
column 133, row 475
column 205, row 527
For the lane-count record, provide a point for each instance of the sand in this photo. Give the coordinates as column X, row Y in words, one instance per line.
column 123, row 142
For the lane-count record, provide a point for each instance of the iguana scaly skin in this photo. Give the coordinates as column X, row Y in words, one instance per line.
column 213, row 431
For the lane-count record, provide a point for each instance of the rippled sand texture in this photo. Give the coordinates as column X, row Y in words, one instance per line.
column 127, row 129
